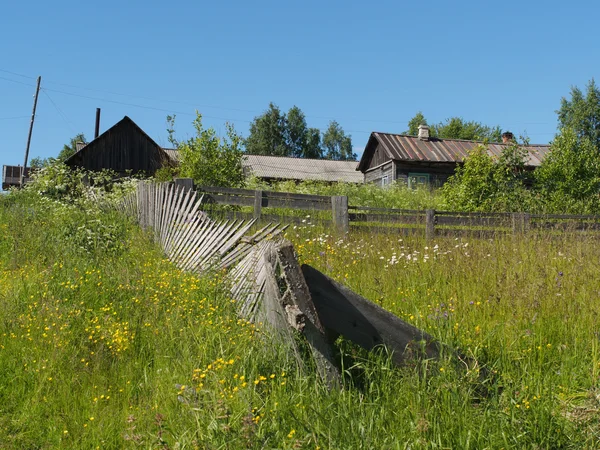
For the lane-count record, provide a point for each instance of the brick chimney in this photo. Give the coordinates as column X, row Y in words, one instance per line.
column 507, row 137
column 423, row 132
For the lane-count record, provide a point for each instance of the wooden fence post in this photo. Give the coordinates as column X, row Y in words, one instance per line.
column 258, row 196
column 339, row 210
column 185, row 183
column 429, row 224
column 520, row 222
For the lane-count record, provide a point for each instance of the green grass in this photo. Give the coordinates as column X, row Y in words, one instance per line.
column 104, row 344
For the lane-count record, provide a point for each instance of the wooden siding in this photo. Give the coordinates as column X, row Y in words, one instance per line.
column 376, row 174
column 122, row 148
column 438, row 172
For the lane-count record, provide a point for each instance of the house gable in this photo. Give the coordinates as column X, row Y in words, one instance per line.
column 124, row 147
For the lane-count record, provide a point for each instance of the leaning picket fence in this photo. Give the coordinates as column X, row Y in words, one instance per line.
column 267, row 282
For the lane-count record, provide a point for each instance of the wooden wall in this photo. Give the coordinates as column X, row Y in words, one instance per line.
column 376, row 174
column 122, row 148
column 438, row 172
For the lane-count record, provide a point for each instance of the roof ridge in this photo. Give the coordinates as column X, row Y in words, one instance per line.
column 453, row 139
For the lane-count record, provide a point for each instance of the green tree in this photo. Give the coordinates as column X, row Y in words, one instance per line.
column 456, row 128
column 337, row 144
column 296, row 133
column 413, row 124
column 313, row 147
column 568, row 181
column 485, row 183
column 581, row 113
column 70, row 149
column 209, row 159
column 268, row 134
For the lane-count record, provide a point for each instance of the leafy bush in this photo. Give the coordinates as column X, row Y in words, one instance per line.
column 484, row 183
column 209, row 159
column 568, row 180
column 392, row 196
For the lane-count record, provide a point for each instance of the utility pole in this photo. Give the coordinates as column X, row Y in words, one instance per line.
column 37, row 91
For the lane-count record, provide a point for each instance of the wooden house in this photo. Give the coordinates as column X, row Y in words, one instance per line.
column 424, row 160
column 124, row 148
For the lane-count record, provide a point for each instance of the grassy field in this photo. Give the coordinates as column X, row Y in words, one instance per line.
column 104, row 344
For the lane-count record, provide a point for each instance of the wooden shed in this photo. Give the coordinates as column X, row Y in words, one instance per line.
column 425, row 160
column 124, row 148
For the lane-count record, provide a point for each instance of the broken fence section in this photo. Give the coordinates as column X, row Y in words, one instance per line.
column 268, row 283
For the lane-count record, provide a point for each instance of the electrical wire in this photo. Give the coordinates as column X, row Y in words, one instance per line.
column 193, row 104
column 60, row 112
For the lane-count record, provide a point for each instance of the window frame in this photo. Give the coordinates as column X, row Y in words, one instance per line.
column 417, row 175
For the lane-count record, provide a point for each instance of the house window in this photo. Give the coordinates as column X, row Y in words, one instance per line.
column 417, row 179
column 385, row 180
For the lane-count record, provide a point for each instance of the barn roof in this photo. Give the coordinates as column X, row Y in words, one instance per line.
column 279, row 167
column 83, row 148
column 401, row 147
column 285, row 168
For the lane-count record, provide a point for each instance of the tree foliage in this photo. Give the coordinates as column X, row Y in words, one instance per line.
column 568, row 180
column 268, row 134
column 67, row 151
column 337, row 144
column 209, row 159
column 485, row 183
column 581, row 113
column 70, row 149
column 455, row 128
column 287, row 134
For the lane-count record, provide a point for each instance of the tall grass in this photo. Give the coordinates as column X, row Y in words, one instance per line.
column 110, row 346
column 395, row 195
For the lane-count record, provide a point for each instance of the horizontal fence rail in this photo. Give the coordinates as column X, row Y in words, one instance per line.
column 345, row 218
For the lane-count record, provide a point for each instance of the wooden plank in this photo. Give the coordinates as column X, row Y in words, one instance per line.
column 430, row 224
column 339, row 211
column 390, row 218
column 565, row 226
column 401, row 231
column 387, row 210
column 226, row 199
column 471, row 214
column 258, row 201
column 473, row 221
column 314, row 332
column 564, row 216
column 365, row 323
column 222, row 190
column 295, row 196
column 297, row 204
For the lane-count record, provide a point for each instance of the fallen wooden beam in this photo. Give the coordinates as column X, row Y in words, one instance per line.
column 344, row 312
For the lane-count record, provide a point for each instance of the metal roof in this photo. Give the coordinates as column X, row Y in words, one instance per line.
column 411, row 148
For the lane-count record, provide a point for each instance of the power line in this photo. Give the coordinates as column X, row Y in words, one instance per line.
column 18, row 82
column 17, row 74
column 405, row 122
column 60, row 112
column 185, row 103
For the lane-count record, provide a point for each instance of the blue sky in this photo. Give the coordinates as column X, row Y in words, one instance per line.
column 369, row 65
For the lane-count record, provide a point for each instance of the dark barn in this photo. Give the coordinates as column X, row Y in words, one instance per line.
column 124, row 148
column 424, row 160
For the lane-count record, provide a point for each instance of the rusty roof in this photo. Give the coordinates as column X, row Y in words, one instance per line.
column 410, row 148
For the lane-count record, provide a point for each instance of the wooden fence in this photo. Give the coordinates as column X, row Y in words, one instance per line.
column 268, row 283
column 431, row 223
